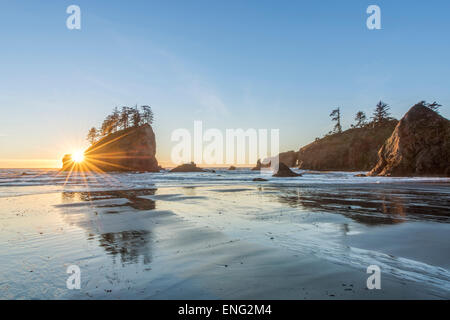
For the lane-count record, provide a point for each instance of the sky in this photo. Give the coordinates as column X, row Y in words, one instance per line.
column 231, row 64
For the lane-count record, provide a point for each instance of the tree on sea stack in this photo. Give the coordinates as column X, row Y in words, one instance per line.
column 433, row 106
column 121, row 120
column 115, row 117
column 136, row 117
column 92, row 135
column 124, row 119
column 336, row 116
column 147, row 114
column 106, row 127
column 381, row 113
column 360, row 119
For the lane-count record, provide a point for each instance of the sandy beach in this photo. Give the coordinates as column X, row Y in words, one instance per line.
column 222, row 236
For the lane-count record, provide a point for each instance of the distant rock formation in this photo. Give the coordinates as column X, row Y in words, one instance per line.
column 132, row 149
column 232, row 168
column 419, row 146
column 260, row 165
column 355, row 149
column 284, row 171
column 259, row 179
column 188, row 167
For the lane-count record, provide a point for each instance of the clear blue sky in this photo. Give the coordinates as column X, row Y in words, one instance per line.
column 232, row 64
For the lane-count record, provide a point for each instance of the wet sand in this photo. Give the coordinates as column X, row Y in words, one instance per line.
column 248, row 241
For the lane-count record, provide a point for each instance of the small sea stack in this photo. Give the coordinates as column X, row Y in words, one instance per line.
column 259, row 179
column 188, row 167
column 284, row 172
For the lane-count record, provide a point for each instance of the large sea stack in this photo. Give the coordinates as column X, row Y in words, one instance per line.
column 419, row 146
column 132, row 149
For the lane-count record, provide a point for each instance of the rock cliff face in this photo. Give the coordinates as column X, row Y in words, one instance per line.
column 419, row 146
column 132, row 149
column 355, row 149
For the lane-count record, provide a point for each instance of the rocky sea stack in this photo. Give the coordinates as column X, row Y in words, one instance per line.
column 188, row 167
column 284, row 172
column 132, row 149
column 419, row 146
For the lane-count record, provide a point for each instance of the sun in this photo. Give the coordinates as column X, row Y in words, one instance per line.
column 78, row 156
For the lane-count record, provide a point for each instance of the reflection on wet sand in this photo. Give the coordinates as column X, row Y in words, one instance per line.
column 199, row 236
column 130, row 245
column 134, row 198
column 369, row 206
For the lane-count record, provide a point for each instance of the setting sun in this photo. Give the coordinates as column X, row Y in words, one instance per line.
column 78, row 156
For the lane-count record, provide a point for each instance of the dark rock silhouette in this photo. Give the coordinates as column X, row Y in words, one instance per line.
column 232, row 168
column 355, row 149
column 132, row 149
column 259, row 179
column 284, row 171
column 419, row 146
column 188, row 167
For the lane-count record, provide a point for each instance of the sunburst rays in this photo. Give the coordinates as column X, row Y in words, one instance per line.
column 89, row 168
column 92, row 162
